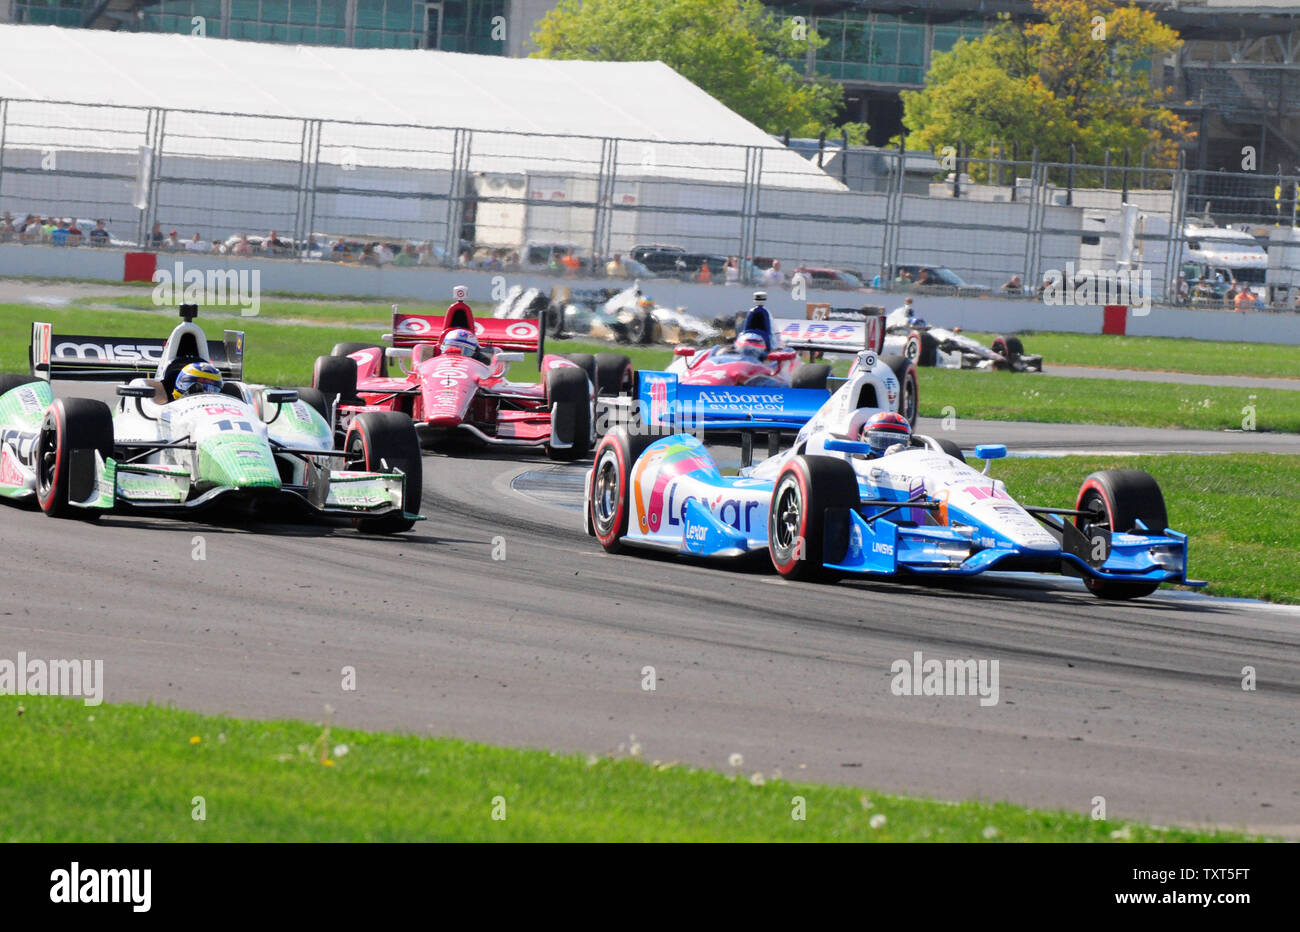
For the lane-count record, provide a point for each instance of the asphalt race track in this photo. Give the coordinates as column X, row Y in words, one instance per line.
column 1140, row 703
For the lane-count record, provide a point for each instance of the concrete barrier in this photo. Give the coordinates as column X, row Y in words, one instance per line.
column 390, row 284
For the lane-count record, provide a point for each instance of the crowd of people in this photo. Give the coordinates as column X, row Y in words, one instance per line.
column 55, row 231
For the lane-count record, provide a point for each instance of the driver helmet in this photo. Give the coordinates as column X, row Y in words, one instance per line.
column 886, row 429
column 459, row 341
column 197, row 378
column 752, row 344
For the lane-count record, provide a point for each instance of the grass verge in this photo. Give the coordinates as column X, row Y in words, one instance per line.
column 1006, row 396
column 1167, row 354
column 1242, row 537
column 127, row 773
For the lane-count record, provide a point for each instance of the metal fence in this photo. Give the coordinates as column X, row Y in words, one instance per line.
column 450, row 195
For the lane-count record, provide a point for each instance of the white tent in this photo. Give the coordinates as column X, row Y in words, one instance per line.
column 383, row 102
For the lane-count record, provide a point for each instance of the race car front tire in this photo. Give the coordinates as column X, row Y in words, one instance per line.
column 613, row 374
column 952, row 449
column 347, row 349
column 316, row 399
column 584, row 361
column 568, row 394
column 382, row 441
column 610, row 501
column 1118, row 499
column 811, row 375
column 9, row 382
column 909, row 399
column 808, row 520
column 336, row 376
column 72, row 424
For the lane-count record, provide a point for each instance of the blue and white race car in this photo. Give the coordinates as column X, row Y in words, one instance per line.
column 839, row 502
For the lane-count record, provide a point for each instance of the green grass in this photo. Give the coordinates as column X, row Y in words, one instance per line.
column 1006, row 396
column 114, row 773
column 1205, row 357
column 1236, row 510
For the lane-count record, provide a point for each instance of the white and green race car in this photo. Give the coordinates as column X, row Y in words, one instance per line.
column 246, row 449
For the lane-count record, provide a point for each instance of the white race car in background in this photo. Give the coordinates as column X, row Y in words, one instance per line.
column 910, row 336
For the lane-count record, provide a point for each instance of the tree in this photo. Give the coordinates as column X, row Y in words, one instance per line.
column 1081, row 77
column 734, row 50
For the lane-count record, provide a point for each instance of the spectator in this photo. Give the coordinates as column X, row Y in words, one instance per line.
column 384, row 254
column 774, row 277
column 407, row 257
column 614, row 267
column 340, row 252
column 903, row 278
column 368, row 256
column 1181, row 290
column 59, row 236
column 1013, row 285
column 196, row 245
column 156, row 237
column 466, row 259
column 1203, row 288
column 242, row 248
column 1246, row 300
column 731, row 271
column 173, row 243
column 923, row 277
column 7, row 230
column 571, row 263
column 274, row 245
column 706, row 274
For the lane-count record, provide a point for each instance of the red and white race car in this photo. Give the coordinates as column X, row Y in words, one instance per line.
column 757, row 357
column 455, row 392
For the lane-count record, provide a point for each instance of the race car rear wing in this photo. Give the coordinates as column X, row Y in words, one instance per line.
column 523, row 336
column 108, row 359
column 832, row 336
column 666, row 403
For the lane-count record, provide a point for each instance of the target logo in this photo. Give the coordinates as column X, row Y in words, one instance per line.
column 522, row 331
column 414, row 325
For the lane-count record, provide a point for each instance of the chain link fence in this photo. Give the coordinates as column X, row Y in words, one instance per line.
column 313, row 190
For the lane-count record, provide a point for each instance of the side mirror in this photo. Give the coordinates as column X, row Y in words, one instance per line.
column 990, row 452
column 511, row 357
column 280, row 396
column 684, row 351
column 784, row 355
column 134, row 391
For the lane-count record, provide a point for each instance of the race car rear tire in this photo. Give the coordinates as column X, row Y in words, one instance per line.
column 609, row 503
column 613, row 374
column 70, row 424
column 1119, row 498
column 568, row 393
column 380, row 441
column 9, row 382
column 347, row 349
column 801, row 534
column 336, row 376
column 811, row 375
column 1009, row 348
column 929, row 355
column 640, row 329
column 909, row 399
column 584, row 361
column 952, row 449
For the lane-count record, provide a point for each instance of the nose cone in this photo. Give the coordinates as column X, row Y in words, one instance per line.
column 237, row 463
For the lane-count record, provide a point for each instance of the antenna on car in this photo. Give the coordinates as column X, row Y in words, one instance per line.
column 189, row 312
